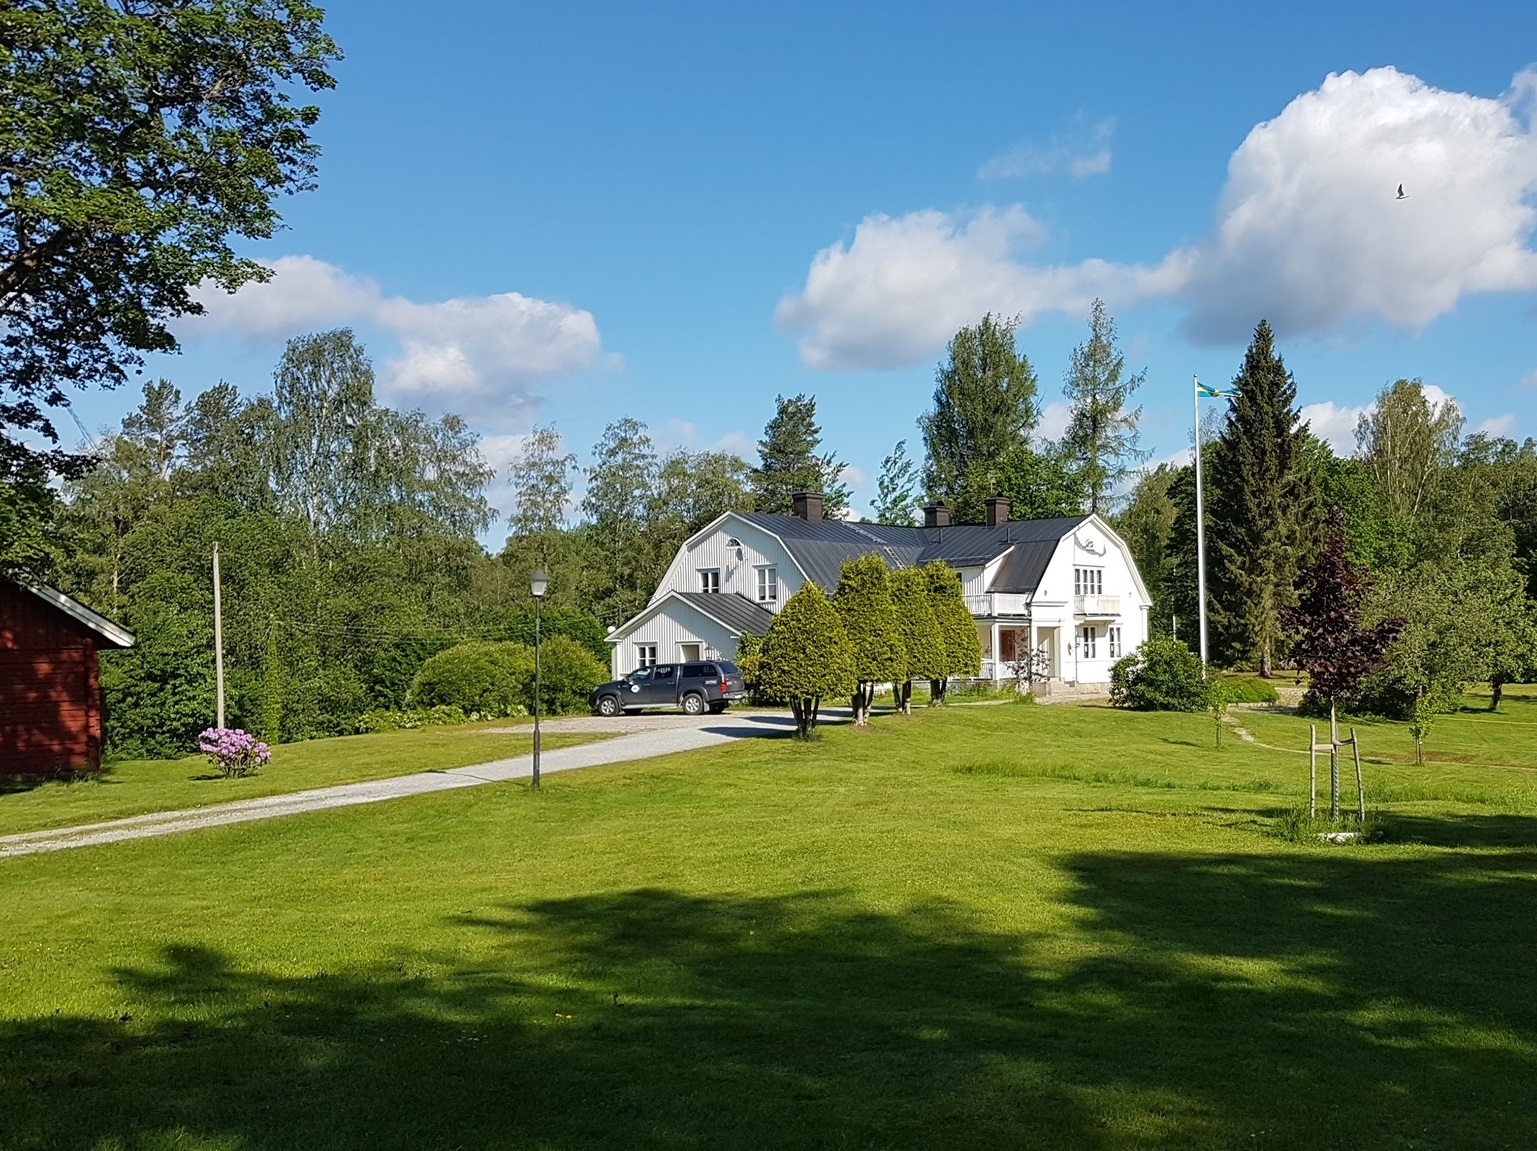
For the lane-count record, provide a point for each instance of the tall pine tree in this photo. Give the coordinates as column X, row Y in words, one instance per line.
column 789, row 460
column 1261, row 515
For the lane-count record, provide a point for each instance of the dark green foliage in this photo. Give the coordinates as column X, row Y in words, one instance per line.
column 957, row 628
column 1040, row 483
column 485, row 679
column 29, row 510
column 791, row 460
column 158, row 694
column 864, row 604
column 806, row 656
column 409, row 720
column 1101, row 437
column 1163, row 675
column 567, row 674
column 984, row 408
column 1261, row 507
column 141, row 142
column 1147, row 526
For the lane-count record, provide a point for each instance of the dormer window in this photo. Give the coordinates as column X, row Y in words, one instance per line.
column 709, row 581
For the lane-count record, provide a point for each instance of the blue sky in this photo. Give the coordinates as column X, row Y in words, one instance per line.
column 576, row 212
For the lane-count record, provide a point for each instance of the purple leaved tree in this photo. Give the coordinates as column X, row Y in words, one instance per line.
column 1331, row 643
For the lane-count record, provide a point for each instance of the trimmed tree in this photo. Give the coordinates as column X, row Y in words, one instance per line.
column 957, row 630
column 805, row 656
column 922, row 649
column 1331, row 642
column 864, row 604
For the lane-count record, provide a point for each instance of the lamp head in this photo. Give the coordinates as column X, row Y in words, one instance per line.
column 538, row 582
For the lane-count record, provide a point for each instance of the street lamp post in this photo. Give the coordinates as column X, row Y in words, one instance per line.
column 537, row 585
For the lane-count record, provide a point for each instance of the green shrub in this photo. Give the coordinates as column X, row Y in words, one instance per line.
column 1249, row 689
column 488, row 679
column 567, row 674
column 408, row 720
column 1162, row 675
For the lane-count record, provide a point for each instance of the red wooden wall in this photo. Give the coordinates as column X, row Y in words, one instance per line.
column 50, row 696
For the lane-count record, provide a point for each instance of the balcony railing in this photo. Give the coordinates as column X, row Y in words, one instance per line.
column 1097, row 605
column 995, row 604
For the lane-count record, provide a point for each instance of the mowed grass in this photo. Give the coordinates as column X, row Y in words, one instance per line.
column 978, row 927
column 134, row 787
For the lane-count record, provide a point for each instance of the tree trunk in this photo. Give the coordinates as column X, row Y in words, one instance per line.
column 798, row 709
column 1498, row 690
column 937, row 691
column 859, row 707
column 1266, row 667
column 902, row 693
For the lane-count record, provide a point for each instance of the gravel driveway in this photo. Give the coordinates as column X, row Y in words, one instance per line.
column 634, row 737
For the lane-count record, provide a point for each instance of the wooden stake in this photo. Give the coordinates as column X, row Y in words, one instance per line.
column 1312, row 771
column 1355, row 748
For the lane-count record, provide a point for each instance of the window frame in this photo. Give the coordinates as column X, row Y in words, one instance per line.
column 641, row 659
column 767, row 582
column 1088, row 581
column 1113, row 641
column 1088, row 636
column 707, row 578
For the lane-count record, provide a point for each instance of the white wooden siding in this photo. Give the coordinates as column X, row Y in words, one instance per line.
column 677, row 623
column 737, row 566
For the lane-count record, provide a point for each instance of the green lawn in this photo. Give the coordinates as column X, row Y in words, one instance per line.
column 980, row 927
column 133, row 787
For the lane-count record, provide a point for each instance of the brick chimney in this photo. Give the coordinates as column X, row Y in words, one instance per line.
column 997, row 510
column 936, row 516
column 808, row 505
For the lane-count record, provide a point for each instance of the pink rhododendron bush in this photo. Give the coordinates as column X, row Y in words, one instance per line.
column 233, row 751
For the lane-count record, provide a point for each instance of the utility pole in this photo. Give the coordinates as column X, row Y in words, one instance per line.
column 1200, row 521
column 218, row 635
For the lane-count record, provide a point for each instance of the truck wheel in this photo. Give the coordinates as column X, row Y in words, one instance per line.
column 693, row 704
column 608, row 705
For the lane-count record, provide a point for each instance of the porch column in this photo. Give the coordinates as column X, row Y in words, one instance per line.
column 996, row 654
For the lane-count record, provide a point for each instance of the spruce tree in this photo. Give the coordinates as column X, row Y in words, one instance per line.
column 1101, row 435
column 1261, row 511
column 923, row 649
column 806, row 656
column 957, row 629
column 984, row 407
column 789, row 460
column 864, row 604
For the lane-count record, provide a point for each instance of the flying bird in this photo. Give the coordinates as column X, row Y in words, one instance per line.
column 1401, row 194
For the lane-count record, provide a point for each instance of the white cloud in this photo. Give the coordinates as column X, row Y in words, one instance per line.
column 1308, row 233
column 477, row 351
column 1053, row 421
column 1501, row 425
column 1081, row 154
column 1529, row 380
column 903, row 285
column 1309, row 230
column 1335, row 425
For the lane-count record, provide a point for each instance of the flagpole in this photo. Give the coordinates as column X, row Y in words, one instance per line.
column 1200, row 518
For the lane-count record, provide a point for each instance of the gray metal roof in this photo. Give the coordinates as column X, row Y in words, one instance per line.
column 734, row 610
column 821, row 546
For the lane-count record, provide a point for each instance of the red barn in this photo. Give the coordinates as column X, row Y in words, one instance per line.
column 50, row 696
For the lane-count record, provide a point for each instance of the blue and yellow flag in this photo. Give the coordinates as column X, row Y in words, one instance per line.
column 1214, row 393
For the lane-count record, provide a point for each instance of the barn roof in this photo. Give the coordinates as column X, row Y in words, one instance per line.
column 110, row 634
column 821, row 546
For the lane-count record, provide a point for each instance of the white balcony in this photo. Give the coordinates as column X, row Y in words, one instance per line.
column 995, row 605
column 1097, row 606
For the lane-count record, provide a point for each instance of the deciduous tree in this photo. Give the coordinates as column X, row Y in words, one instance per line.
column 896, row 500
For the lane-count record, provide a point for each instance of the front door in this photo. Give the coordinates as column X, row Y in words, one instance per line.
column 689, row 652
column 1008, row 648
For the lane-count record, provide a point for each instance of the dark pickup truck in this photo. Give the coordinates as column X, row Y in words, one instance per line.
column 695, row 687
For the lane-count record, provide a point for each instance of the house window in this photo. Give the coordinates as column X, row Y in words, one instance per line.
column 1088, row 581
column 645, row 655
column 1091, row 643
column 768, row 585
column 1114, row 636
column 709, row 581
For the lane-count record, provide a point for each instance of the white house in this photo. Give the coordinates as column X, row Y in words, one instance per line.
column 1064, row 588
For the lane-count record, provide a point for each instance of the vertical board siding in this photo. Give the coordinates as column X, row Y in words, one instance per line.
column 50, row 700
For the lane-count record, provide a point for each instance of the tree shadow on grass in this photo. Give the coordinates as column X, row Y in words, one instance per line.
column 1303, row 1000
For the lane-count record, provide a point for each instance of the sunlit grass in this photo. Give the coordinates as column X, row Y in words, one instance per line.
column 989, row 927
